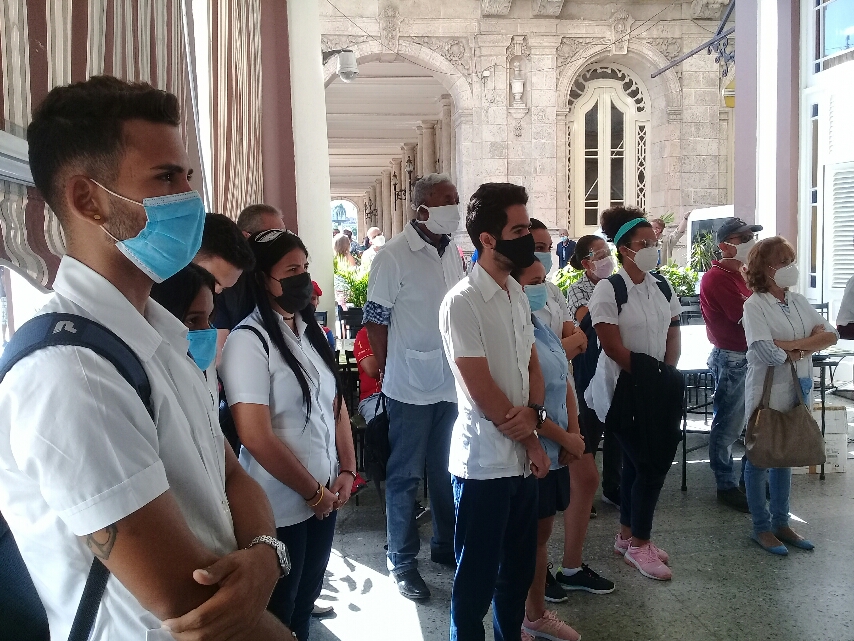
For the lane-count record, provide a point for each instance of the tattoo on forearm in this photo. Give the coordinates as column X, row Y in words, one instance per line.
column 101, row 542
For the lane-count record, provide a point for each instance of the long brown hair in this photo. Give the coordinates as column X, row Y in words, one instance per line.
column 765, row 253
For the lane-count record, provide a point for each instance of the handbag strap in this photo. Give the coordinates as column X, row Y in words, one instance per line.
column 765, row 402
column 798, row 390
column 380, row 399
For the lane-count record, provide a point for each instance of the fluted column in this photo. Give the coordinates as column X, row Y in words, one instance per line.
column 388, row 214
column 447, row 128
column 397, row 205
column 428, row 159
column 438, row 150
column 419, row 152
column 408, row 151
column 360, row 222
column 378, row 200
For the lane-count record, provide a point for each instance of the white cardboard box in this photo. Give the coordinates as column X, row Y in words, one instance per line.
column 835, row 418
column 836, row 451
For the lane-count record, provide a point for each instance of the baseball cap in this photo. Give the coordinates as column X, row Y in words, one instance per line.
column 734, row 226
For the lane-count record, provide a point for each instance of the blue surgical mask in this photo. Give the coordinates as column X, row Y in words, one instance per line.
column 537, row 296
column 546, row 259
column 563, row 239
column 202, row 346
column 171, row 236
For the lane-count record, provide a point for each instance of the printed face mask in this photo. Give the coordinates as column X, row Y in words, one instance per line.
column 537, row 296
column 520, row 251
column 203, row 346
column 742, row 250
column 546, row 259
column 443, row 220
column 647, row 258
column 603, row 267
column 296, row 293
column 787, row 276
column 171, row 237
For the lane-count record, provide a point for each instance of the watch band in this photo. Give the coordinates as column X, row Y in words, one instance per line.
column 280, row 549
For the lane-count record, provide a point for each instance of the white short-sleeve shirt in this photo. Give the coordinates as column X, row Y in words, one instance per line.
column 479, row 319
column 79, row 451
column 556, row 311
column 846, row 307
column 409, row 277
column 644, row 321
column 250, row 376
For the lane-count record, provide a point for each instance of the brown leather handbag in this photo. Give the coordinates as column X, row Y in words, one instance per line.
column 783, row 439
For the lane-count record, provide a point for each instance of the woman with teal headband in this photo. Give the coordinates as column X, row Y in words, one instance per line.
column 636, row 317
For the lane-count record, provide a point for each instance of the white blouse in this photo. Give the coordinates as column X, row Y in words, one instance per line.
column 249, row 376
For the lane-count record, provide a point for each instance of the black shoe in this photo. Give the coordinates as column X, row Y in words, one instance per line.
column 444, row 558
column 593, row 512
column 611, row 499
column 420, row 510
column 585, row 579
column 554, row 593
column 412, row 586
column 734, row 498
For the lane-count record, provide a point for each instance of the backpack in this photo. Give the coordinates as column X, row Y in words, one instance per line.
column 226, row 420
column 22, row 609
column 377, row 447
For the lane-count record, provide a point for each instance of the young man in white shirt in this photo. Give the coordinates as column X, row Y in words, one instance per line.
column 85, row 471
column 409, row 278
column 488, row 337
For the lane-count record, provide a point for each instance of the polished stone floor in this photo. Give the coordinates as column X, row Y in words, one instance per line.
column 724, row 587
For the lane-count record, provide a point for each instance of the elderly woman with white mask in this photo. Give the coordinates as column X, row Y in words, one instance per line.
column 781, row 327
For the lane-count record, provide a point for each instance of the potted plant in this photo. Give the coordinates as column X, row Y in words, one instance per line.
column 683, row 280
column 353, row 282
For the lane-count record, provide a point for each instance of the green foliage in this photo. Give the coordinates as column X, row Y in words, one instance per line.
column 354, row 281
column 565, row 277
column 703, row 251
column 683, row 279
column 668, row 218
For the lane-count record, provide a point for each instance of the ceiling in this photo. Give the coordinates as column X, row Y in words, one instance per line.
column 370, row 118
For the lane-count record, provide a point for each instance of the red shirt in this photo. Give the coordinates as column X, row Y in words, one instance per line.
column 722, row 296
column 361, row 350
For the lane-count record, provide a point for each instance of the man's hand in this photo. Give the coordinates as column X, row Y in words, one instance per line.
column 246, row 579
column 539, row 459
column 342, row 487
column 520, row 424
column 573, row 445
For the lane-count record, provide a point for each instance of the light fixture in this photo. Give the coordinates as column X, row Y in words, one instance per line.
column 410, row 169
column 348, row 68
column 399, row 194
column 370, row 211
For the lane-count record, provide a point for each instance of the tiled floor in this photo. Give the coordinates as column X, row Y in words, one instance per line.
column 724, row 587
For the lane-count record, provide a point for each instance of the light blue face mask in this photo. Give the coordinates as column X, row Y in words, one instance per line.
column 537, row 296
column 171, row 236
column 202, row 346
column 546, row 259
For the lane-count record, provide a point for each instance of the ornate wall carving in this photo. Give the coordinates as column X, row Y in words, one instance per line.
column 389, row 20
column 547, row 8
column 621, row 27
column 495, row 7
column 568, row 49
column 670, row 48
column 708, row 9
column 453, row 50
column 330, row 42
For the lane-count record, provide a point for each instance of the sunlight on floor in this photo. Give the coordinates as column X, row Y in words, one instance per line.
column 367, row 604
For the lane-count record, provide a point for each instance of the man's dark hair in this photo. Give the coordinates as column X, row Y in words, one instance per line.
column 613, row 218
column 222, row 237
column 348, row 233
column 178, row 292
column 487, row 209
column 81, row 125
column 250, row 219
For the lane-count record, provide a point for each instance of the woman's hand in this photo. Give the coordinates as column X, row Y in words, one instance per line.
column 342, row 487
column 324, row 507
column 573, row 445
column 575, row 343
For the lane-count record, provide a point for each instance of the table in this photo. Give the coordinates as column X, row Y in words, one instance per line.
column 825, row 360
column 692, row 362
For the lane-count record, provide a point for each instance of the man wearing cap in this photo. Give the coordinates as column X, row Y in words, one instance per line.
column 722, row 295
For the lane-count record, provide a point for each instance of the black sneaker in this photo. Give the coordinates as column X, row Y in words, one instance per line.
column 734, row 498
column 554, row 593
column 593, row 512
column 585, row 579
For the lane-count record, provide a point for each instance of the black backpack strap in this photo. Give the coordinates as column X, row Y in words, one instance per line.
column 621, row 294
column 53, row 330
column 663, row 285
column 257, row 333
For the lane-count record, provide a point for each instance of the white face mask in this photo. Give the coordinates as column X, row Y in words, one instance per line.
column 647, row 259
column 787, row 276
column 603, row 267
column 742, row 250
column 443, row 220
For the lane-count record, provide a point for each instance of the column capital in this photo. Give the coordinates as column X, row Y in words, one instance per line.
column 446, row 100
column 386, row 173
column 428, row 124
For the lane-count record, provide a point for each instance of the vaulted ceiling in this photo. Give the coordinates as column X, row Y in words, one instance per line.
column 370, row 118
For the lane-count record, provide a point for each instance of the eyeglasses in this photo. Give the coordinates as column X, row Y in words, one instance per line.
column 744, row 238
column 599, row 255
column 647, row 243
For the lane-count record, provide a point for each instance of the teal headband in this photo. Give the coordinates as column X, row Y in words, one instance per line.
column 625, row 228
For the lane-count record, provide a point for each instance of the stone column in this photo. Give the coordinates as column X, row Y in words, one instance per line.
column 409, row 151
column 388, row 212
column 419, row 152
column 454, row 153
column 360, row 221
column 311, row 149
column 398, row 205
column 543, row 116
column 428, row 158
column 378, row 201
column 447, row 128
column 438, row 148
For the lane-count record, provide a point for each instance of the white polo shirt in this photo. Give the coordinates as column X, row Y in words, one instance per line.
column 478, row 319
column 556, row 311
column 249, row 376
column 410, row 277
column 79, row 451
column 643, row 322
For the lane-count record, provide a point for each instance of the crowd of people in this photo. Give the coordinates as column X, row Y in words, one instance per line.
column 210, row 494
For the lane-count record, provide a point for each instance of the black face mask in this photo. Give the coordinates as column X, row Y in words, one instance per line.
column 296, row 293
column 520, row 251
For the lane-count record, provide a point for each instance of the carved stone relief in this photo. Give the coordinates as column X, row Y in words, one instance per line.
column 708, row 9
column 621, row 26
column 670, row 48
column 453, row 50
column 569, row 47
column 389, row 19
column 329, row 42
column 495, row 7
column 549, row 8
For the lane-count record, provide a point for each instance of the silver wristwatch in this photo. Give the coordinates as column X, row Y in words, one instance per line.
column 280, row 548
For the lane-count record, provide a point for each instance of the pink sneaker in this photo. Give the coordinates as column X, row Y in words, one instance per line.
column 621, row 546
column 645, row 558
column 549, row 627
column 526, row 636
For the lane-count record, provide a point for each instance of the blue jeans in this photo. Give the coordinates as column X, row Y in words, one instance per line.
column 309, row 544
column 496, row 545
column 729, row 370
column 779, row 483
column 418, row 435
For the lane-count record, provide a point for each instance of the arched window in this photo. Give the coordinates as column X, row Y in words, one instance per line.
column 607, row 145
